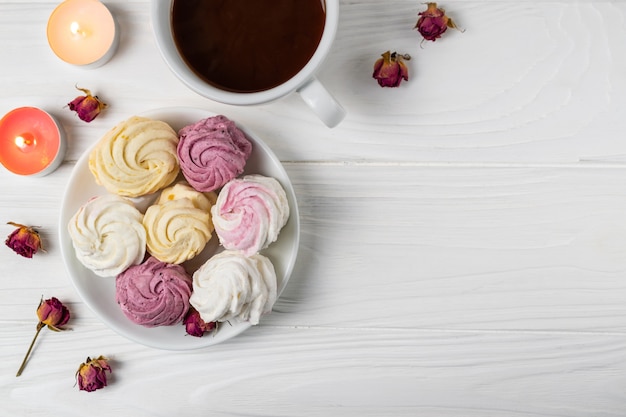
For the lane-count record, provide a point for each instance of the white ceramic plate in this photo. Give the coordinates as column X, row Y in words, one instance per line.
column 99, row 292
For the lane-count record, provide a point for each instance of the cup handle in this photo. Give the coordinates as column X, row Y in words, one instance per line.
column 322, row 102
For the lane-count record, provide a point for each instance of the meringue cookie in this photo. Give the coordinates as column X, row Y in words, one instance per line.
column 154, row 293
column 179, row 226
column 249, row 213
column 203, row 201
column 212, row 152
column 232, row 286
column 136, row 157
column 108, row 235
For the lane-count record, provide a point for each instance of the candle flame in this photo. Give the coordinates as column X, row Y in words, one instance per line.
column 77, row 30
column 24, row 142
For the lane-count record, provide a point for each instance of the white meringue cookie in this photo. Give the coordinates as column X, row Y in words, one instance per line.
column 232, row 286
column 108, row 235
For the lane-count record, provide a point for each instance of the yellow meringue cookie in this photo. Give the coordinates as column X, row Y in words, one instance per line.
column 180, row 190
column 136, row 157
column 179, row 225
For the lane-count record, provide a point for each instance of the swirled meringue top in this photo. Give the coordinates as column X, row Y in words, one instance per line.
column 154, row 293
column 203, row 201
column 136, row 157
column 108, row 235
column 249, row 213
column 179, row 226
column 232, row 286
column 211, row 152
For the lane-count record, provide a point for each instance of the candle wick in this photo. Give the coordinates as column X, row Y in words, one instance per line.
column 76, row 30
column 24, row 141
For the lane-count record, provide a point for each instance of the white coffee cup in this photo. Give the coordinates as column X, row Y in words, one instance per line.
column 304, row 82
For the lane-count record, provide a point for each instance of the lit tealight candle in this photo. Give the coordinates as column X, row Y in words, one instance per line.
column 31, row 142
column 82, row 32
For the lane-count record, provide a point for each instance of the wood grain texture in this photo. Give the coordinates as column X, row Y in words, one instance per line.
column 524, row 82
column 463, row 236
column 317, row 372
column 503, row 297
column 471, row 248
column 467, row 248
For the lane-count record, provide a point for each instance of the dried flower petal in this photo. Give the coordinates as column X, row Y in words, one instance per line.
column 195, row 326
column 91, row 374
column 87, row 107
column 390, row 70
column 24, row 240
column 433, row 22
column 51, row 313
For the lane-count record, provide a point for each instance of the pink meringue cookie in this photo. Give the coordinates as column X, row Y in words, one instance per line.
column 154, row 293
column 249, row 213
column 212, row 152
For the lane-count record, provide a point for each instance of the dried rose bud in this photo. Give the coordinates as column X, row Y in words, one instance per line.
column 51, row 313
column 195, row 326
column 390, row 69
column 24, row 240
column 433, row 22
column 91, row 374
column 87, row 107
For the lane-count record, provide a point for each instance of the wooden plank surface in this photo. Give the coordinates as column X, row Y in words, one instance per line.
column 525, row 82
column 463, row 241
column 503, row 296
column 315, row 372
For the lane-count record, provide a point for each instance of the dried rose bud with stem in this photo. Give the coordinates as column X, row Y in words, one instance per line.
column 88, row 107
column 51, row 313
column 433, row 22
column 91, row 374
column 390, row 69
column 24, row 240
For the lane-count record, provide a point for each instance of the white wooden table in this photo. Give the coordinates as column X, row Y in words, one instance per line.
column 463, row 243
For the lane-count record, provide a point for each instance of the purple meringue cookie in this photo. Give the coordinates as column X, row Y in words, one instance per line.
column 154, row 293
column 212, row 152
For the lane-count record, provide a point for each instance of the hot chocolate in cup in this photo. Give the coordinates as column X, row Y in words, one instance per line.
column 244, row 52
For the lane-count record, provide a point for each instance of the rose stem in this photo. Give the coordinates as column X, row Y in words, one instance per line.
column 30, row 348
